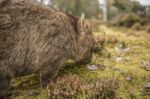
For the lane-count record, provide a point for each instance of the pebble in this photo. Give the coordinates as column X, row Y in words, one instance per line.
column 122, row 49
column 129, row 78
column 32, row 93
column 147, row 85
column 96, row 67
column 118, row 59
column 92, row 67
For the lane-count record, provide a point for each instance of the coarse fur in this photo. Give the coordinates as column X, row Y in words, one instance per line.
column 38, row 39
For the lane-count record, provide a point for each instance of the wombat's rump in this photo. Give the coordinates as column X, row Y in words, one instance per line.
column 38, row 39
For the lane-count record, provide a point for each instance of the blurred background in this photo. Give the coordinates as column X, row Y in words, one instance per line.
column 118, row 12
column 133, row 14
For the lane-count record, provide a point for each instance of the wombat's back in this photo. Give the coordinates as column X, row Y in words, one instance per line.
column 30, row 34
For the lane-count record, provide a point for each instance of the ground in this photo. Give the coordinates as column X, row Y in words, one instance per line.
column 120, row 70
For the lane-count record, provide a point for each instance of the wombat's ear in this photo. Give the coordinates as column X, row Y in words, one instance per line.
column 83, row 26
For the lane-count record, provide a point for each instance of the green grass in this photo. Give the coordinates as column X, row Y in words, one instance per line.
column 127, row 70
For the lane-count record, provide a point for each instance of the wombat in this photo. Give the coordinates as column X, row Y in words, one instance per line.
column 38, row 39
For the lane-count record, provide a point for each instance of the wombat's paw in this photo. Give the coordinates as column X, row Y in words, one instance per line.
column 45, row 79
column 4, row 87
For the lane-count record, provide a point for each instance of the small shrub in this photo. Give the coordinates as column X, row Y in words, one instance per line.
column 73, row 87
column 137, row 26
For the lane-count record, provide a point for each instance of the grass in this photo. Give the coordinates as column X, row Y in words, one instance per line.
column 120, row 73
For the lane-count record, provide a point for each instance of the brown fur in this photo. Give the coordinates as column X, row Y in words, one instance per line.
column 38, row 39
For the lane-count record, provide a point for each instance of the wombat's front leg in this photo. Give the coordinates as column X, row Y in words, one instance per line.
column 50, row 73
column 4, row 87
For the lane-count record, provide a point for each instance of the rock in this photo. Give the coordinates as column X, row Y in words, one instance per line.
column 129, row 78
column 32, row 93
column 147, row 85
column 96, row 67
column 146, row 89
column 119, row 49
column 92, row 67
column 126, row 49
column 118, row 58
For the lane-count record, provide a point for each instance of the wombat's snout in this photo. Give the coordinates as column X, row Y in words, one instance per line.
column 87, row 57
column 86, row 60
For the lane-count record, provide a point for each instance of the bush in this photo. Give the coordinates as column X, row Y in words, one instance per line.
column 137, row 26
column 129, row 20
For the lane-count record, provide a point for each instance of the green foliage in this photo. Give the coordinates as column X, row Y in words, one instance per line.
column 128, row 6
column 129, row 20
column 123, row 7
column 136, row 6
column 122, row 4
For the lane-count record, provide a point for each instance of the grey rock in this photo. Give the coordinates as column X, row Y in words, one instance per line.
column 147, row 85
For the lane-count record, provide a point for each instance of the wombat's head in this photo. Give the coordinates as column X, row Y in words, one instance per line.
column 85, row 41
